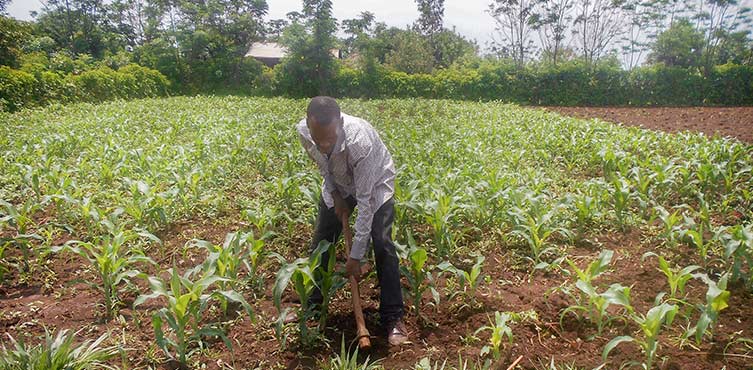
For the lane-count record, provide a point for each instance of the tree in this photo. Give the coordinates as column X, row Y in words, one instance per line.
column 309, row 67
column 735, row 47
column 13, row 34
column 430, row 16
column 357, row 28
column 80, row 26
column 274, row 29
column 680, row 46
column 4, row 5
column 450, row 47
column 597, row 24
column 410, row 53
column 514, row 23
column 719, row 18
column 553, row 20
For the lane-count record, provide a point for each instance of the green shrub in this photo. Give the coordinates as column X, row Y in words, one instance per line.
column 16, row 89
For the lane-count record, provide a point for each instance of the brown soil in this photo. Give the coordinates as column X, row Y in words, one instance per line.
column 735, row 122
column 26, row 310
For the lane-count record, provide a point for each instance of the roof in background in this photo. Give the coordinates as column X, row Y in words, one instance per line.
column 266, row 50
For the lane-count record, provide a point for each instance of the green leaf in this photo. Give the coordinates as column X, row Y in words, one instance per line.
column 614, row 343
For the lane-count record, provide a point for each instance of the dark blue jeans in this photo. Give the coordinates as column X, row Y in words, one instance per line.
column 329, row 227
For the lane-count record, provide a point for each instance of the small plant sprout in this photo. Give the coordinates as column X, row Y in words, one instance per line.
column 469, row 280
column 187, row 298
column 536, row 226
column 676, row 278
column 592, row 303
column 650, row 326
column 58, row 352
column 500, row 329
column 717, row 299
column 419, row 275
column 306, row 275
column 113, row 259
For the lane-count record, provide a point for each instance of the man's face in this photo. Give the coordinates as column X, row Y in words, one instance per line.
column 324, row 133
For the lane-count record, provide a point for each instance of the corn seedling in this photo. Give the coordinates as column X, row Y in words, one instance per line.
column 302, row 273
column 440, row 214
column 717, row 299
column 500, row 328
column 621, row 197
column 57, row 353
column 240, row 249
column 536, row 226
column 738, row 247
column 592, row 303
column 469, row 280
column 670, row 224
column 650, row 326
column 676, row 278
column 418, row 274
column 114, row 261
column 346, row 360
column 179, row 327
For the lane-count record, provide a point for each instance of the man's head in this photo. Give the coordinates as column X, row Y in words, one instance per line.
column 324, row 121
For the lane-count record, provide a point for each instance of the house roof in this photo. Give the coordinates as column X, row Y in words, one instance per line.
column 266, row 50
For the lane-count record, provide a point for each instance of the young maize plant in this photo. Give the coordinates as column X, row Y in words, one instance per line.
column 58, row 352
column 114, row 258
column 347, row 360
column 670, row 224
column 647, row 338
column 419, row 275
column 621, row 198
column 738, row 251
column 179, row 326
column 20, row 219
column 536, row 225
column 441, row 214
column 500, row 328
column 240, row 249
column 676, row 278
column 717, row 299
column 306, row 275
column 469, row 280
column 593, row 304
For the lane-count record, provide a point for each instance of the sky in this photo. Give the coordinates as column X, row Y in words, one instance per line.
column 467, row 16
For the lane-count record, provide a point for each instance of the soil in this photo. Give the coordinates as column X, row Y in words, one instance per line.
column 734, row 122
column 26, row 309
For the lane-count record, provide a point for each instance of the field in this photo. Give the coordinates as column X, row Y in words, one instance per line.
column 732, row 122
column 538, row 230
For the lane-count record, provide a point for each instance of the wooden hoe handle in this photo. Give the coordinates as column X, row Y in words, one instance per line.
column 363, row 334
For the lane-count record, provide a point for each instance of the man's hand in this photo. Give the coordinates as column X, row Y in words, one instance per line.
column 341, row 208
column 353, row 268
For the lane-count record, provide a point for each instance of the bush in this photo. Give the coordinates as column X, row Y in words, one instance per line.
column 731, row 84
column 22, row 89
column 16, row 88
column 569, row 84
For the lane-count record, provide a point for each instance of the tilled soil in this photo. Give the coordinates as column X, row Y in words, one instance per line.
column 734, row 122
column 449, row 331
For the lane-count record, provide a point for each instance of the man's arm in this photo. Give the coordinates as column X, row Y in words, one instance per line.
column 365, row 175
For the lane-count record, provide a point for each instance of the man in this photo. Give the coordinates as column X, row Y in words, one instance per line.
column 358, row 172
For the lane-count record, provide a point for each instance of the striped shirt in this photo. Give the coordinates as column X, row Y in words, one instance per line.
column 360, row 166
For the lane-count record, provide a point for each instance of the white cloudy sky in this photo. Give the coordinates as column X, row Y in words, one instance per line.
column 468, row 16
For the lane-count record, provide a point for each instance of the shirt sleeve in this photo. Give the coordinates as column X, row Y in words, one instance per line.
column 365, row 173
column 329, row 183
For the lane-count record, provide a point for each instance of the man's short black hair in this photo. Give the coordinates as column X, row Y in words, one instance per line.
column 324, row 110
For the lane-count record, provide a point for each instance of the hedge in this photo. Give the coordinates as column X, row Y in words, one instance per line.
column 20, row 89
column 567, row 85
